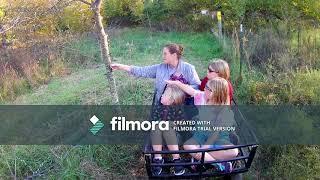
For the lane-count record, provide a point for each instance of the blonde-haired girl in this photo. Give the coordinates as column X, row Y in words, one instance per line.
column 216, row 92
column 172, row 96
column 218, row 68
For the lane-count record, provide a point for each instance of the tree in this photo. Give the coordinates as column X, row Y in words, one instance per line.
column 23, row 20
column 104, row 46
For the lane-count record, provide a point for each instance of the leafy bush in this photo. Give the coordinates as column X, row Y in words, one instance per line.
column 125, row 11
column 298, row 88
column 11, row 84
column 268, row 48
column 75, row 18
column 171, row 15
column 22, row 69
column 298, row 162
column 286, row 162
column 304, row 88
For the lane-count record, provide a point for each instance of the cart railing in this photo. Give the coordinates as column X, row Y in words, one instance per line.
column 241, row 163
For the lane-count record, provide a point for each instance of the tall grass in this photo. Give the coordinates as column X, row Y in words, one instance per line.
column 129, row 46
column 142, row 47
column 277, row 72
column 88, row 86
column 11, row 84
column 66, row 162
column 21, row 70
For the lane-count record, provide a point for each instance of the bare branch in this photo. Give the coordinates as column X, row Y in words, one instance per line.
column 15, row 22
column 54, row 9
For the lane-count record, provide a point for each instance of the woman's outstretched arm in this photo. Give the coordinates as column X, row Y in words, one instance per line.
column 146, row 71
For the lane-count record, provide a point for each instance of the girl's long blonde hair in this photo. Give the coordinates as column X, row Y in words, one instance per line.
column 176, row 94
column 221, row 67
column 219, row 91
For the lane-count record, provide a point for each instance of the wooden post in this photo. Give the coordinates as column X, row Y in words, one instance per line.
column 241, row 48
column 219, row 23
column 239, row 79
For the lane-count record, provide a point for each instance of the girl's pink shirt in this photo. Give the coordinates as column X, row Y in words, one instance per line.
column 199, row 98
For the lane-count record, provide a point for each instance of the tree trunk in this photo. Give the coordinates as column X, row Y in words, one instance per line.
column 104, row 47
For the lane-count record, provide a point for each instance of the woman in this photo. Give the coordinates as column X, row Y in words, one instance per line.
column 218, row 68
column 173, row 67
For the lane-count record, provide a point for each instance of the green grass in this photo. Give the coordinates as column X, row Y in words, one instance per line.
column 89, row 86
column 66, row 162
column 71, row 89
column 128, row 46
column 312, row 35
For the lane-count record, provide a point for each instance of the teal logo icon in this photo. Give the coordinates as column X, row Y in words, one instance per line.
column 97, row 125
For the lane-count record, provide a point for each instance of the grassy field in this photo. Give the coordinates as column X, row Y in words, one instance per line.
column 88, row 86
column 135, row 47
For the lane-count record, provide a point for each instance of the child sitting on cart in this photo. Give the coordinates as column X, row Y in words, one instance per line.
column 218, row 68
column 168, row 110
column 215, row 93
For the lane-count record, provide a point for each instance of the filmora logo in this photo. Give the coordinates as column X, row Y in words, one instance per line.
column 123, row 125
column 97, row 125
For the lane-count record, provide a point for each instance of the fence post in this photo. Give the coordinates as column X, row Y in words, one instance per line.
column 219, row 24
column 241, row 52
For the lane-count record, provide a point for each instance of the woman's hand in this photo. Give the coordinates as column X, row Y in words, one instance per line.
column 170, row 82
column 117, row 66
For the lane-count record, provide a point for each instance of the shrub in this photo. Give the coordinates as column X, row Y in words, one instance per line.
column 11, row 84
column 76, row 17
column 125, row 11
column 288, row 162
column 266, row 48
column 297, row 162
column 304, row 87
column 169, row 15
column 297, row 88
column 22, row 69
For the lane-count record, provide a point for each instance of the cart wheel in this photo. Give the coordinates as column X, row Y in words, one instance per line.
column 233, row 177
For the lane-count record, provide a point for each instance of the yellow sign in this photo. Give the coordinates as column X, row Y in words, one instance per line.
column 219, row 15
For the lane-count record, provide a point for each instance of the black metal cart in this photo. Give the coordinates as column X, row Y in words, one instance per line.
column 241, row 163
column 244, row 139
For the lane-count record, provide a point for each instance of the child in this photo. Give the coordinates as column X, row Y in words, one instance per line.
column 171, row 96
column 215, row 93
column 218, row 68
